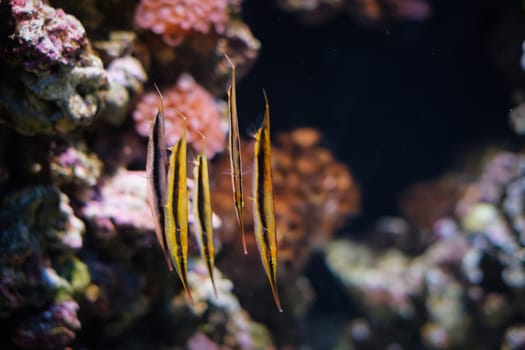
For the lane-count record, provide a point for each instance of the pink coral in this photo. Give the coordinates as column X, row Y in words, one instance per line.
column 196, row 104
column 176, row 19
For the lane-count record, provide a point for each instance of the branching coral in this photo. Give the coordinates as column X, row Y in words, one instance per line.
column 192, row 100
column 176, row 19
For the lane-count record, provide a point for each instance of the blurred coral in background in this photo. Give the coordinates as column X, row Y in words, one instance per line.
column 176, row 19
column 368, row 11
column 196, row 104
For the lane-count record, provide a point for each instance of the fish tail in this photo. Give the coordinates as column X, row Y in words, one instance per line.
column 243, row 235
column 210, row 271
column 168, row 258
column 273, row 284
column 183, row 275
column 184, row 280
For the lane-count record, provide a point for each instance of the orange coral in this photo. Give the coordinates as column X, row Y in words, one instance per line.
column 314, row 195
column 196, row 104
column 177, row 19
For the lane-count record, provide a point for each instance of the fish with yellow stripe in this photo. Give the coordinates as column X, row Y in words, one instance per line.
column 202, row 215
column 263, row 207
column 176, row 210
column 234, row 145
column 156, row 163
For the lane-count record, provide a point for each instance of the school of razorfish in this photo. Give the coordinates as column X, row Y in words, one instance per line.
column 168, row 194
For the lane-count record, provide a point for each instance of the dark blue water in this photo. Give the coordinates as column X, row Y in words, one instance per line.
column 397, row 103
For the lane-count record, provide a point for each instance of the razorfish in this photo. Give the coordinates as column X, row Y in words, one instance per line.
column 263, row 208
column 156, row 162
column 176, row 210
column 234, row 145
column 202, row 212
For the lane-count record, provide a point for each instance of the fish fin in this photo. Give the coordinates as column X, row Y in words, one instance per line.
column 271, row 273
column 243, row 236
column 251, row 130
column 276, row 297
column 183, row 274
column 210, row 266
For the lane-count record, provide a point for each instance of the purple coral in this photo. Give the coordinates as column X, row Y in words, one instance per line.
column 121, row 203
column 42, row 37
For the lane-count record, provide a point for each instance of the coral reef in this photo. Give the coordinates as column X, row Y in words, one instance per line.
column 39, row 235
column 309, row 186
column 314, row 195
column 120, row 204
column 470, row 276
column 47, row 58
column 51, row 329
column 193, row 101
column 71, row 164
column 177, row 19
column 60, row 286
column 125, row 77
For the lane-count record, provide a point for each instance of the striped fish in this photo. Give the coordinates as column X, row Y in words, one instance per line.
column 234, row 145
column 263, row 208
column 156, row 162
column 176, row 210
column 203, row 213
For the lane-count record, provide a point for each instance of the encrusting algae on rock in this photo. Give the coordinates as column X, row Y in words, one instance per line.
column 47, row 57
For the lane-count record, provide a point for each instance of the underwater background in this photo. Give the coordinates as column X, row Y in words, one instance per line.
column 398, row 173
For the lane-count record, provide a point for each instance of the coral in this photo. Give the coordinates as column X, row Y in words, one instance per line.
column 38, row 269
column 71, row 164
column 221, row 320
column 492, row 213
column 42, row 211
column 125, row 77
column 192, row 100
column 121, row 204
column 470, row 276
column 119, row 44
column 47, row 58
column 177, row 19
column 44, row 38
column 314, row 195
column 51, row 329
column 390, row 287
